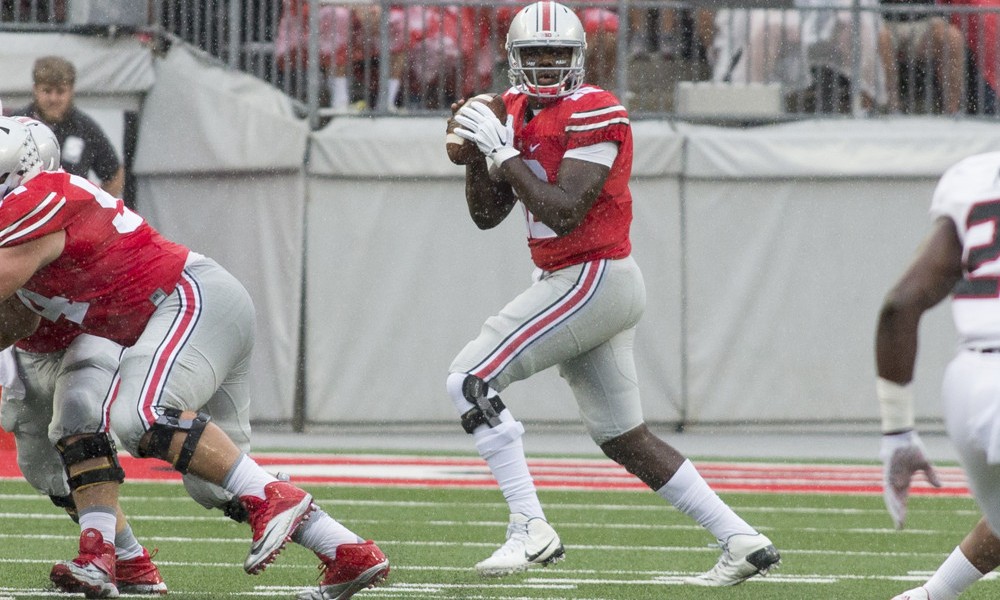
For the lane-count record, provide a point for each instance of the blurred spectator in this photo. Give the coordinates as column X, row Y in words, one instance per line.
column 449, row 52
column 982, row 38
column 638, row 32
column 666, row 38
column 348, row 41
column 85, row 147
column 601, row 25
column 829, row 36
column 927, row 45
column 33, row 11
column 810, row 51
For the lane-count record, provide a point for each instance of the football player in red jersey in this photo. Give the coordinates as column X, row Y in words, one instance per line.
column 54, row 382
column 76, row 256
column 565, row 153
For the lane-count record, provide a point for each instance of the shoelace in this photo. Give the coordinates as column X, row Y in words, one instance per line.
column 322, row 572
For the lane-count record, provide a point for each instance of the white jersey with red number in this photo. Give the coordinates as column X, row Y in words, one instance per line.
column 114, row 268
column 969, row 194
column 588, row 117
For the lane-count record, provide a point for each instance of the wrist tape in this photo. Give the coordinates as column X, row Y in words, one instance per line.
column 895, row 405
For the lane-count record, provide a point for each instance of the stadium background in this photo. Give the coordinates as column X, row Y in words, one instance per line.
column 766, row 250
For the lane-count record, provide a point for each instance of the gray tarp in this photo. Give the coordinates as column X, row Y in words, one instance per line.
column 219, row 167
column 766, row 252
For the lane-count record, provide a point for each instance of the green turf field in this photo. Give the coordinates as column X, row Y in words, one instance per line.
column 620, row 545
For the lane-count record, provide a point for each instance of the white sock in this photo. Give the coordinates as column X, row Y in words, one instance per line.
column 394, row 85
column 690, row 494
column 322, row 534
column 338, row 91
column 101, row 518
column 502, row 449
column 953, row 577
column 126, row 546
column 247, row 478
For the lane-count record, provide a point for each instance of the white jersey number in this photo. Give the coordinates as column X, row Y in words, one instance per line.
column 537, row 229
column 125, row 221
column 51, row 309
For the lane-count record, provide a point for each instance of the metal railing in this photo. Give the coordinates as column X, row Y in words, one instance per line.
column 760, row 61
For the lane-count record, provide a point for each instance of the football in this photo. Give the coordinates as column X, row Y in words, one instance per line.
column 462, row 151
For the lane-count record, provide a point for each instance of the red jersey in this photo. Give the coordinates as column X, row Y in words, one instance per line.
column 587, row 117
column 115, row 268
column 50, row 336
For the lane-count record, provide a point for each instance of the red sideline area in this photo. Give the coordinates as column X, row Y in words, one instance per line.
column 569, row 473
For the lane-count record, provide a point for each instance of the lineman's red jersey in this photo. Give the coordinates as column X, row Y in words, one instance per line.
column 114, row 268
column 50, row 337
column 589, row 116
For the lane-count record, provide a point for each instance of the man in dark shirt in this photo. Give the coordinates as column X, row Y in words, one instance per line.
column 85, row 147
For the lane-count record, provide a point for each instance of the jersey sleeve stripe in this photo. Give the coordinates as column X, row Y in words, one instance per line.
column 18, row 229
column 599, row 124
column 597, row 112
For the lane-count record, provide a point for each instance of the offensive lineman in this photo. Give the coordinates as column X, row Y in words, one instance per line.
column 960, row 258
column 78, row 255
column 565, row 152
column 56, row 378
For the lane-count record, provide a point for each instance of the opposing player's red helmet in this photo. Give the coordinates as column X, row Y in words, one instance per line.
column 552, row 25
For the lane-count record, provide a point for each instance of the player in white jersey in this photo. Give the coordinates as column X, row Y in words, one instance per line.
column 960, row 257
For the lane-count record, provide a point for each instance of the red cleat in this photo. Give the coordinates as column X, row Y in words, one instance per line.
column 356, row 567
column 273, row 520
column 140, row 576
column 92, row 573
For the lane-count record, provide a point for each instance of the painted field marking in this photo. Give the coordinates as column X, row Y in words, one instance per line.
column 549, row 473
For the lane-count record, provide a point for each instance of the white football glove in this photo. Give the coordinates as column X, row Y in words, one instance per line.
column 493, row 138
column 903, row 455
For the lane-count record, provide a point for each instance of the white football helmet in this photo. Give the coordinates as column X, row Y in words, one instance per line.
column 46, row 142
column 546, row 24
column 19, row 159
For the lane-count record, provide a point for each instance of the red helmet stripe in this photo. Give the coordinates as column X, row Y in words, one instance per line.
column 547, row 13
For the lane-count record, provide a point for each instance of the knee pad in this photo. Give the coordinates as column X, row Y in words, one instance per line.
column 485, row 409
column 93, row 446
column 161, row 434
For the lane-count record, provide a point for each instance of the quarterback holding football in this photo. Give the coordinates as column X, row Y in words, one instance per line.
column 562, row 150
